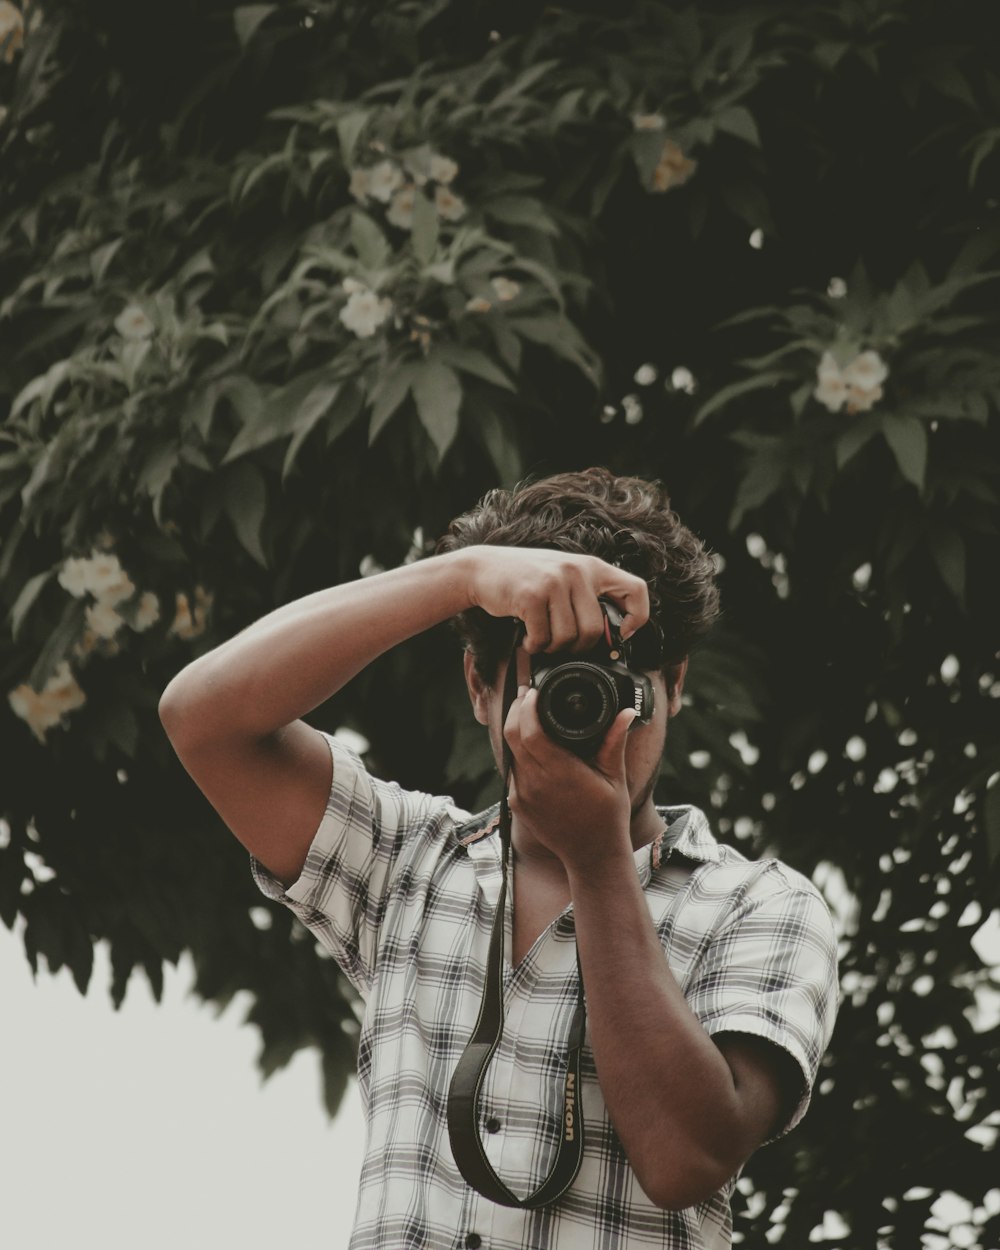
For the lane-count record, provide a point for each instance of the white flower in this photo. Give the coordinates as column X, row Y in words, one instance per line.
column 189, row 620
column 383, row 179
column 101, row 575
column 11, row 30
column 858, row 384
column 132, row 323
column 648, row 121
column 866, row 371
column 860, row 400
column 369, row 566
column 831, row 389
column 682, row 379
column 505, row 288
column 107, row 580
column 147, row 612
column 449, row 205
column 103, row 620
column 646, row 375
column 74, row 576
column 45, row 708
column 400, row 212
column 352, row 286
column 836, row 288
column 478, row 305
column 633, row 409
column 443, row 168
column 364, row 312
column 674, row 168
column 358, row 186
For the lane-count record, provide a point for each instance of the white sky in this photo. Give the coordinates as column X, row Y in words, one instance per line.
column 150, row 1128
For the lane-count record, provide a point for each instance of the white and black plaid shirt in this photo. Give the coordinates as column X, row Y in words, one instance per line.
column 400, row 887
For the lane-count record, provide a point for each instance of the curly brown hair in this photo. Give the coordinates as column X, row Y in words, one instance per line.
column 626, row 521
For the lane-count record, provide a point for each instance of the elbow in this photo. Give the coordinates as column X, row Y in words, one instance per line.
column 681, row 1179
column 182, row 709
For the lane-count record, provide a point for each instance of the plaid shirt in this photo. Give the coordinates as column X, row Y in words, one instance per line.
column 400, row 888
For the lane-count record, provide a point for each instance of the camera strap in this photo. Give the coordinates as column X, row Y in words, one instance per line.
column 467, row 1082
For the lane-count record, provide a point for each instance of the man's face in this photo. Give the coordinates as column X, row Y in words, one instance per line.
column 643, row 746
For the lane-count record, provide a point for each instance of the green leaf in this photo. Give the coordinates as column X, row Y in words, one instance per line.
column 763, row 478
column 735, row 390
column 437, row 393
column 501, row 444
column 58, row 644
column 471, row 360
column 26, row 600
column 907, row 439
column 948, row 551
column 520, row 210
column 562, row 337
column 389, row 394
column 248, row 17
column 245, row 501
column 426, row 229
column 314, row 408
column 349, row 127
column 739, row 121
column 857, row 434
column 101, row 258
column 369, row 241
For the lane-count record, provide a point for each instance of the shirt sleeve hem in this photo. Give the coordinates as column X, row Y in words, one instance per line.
column 781, row 1038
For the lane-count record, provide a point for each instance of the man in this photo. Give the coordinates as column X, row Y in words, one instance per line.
column 709, row 982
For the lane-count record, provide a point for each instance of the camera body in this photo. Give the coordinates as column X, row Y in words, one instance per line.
column 580, row 694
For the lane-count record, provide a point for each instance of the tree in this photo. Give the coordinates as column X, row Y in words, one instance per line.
column 287, row 286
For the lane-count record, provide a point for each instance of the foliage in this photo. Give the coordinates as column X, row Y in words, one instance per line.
column 284, row 287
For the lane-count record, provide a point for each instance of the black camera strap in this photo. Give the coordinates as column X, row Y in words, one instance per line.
column 467, row 1082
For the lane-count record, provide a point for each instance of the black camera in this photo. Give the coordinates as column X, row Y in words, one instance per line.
column 580, row 694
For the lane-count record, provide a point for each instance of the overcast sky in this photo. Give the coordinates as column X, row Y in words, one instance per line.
column 148, row 1129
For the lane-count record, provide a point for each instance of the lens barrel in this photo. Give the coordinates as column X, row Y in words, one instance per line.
column 577, row 702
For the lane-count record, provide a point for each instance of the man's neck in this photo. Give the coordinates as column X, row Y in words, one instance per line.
column 646, row 824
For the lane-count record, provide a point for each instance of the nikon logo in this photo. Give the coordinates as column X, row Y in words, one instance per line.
column 570, row 1104
column 638, row 700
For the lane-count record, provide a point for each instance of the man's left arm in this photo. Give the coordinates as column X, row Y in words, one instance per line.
column 689, row 1110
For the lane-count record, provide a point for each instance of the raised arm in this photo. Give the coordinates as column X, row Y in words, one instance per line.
column 234, row 715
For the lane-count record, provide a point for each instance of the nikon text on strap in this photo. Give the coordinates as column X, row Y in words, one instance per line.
column 466, row 1084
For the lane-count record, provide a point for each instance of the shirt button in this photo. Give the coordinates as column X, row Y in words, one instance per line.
column 473, row 1241
column 493, row 1125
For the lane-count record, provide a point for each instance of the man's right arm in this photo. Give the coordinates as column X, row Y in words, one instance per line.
column 234, row 715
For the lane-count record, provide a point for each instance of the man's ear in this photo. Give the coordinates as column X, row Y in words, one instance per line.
column 675, row 686
column 479, row 690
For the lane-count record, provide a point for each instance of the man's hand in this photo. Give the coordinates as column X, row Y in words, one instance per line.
column 579, row 810
column 555, row 594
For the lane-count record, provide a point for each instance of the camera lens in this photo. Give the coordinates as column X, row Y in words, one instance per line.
column 576, row 701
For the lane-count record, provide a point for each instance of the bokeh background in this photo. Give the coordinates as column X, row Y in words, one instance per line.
column 283, row 287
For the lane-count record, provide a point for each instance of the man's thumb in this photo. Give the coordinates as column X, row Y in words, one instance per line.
column 611, row 757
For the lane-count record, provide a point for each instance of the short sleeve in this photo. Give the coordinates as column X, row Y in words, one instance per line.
column 771, row 971
column 353, row 863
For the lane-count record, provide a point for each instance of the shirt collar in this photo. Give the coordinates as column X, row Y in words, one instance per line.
column 686, row 835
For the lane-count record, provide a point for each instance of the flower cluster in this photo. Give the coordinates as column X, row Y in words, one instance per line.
column 43, row 709
column 396, row 184
column 101, row 577
column 113, row 601
column 11, row 30
column 856, row 385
